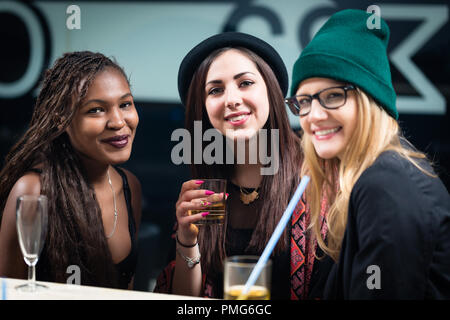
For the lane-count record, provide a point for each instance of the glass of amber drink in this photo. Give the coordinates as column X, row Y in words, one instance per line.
column 213, row 202
column 237, row 270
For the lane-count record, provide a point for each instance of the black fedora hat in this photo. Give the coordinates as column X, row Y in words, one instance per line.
column 196, row 56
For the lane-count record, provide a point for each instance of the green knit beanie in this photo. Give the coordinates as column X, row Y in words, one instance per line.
column 345, row 49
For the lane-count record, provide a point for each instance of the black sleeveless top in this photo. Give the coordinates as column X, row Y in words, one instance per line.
column 126, row 268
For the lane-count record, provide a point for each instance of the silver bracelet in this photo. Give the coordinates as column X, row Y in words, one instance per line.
column 191, row 262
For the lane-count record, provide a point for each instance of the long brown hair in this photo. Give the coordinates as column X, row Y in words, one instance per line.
column 275, row 190
column 75, row 230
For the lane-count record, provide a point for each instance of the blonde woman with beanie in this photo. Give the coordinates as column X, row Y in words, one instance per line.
column 389, row 222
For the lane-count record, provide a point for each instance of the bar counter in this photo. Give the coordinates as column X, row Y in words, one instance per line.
column 59, row 291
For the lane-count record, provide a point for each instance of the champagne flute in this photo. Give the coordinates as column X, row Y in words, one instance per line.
column 31, row 222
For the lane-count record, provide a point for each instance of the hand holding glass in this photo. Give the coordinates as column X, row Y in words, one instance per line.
column 31, row 222
column 213, row 203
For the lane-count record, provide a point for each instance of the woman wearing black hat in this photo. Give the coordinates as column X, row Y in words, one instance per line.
column 235, row 83
column 388, row 227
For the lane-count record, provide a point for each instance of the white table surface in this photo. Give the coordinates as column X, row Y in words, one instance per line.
column 58, row 291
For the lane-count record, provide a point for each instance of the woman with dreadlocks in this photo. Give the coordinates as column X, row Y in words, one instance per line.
column 82, row 126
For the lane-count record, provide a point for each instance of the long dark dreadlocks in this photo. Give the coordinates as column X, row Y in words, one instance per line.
column 75, row 231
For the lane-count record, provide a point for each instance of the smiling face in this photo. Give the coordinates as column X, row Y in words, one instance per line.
column 236, row 95
column 104, row 126
column 330, row 130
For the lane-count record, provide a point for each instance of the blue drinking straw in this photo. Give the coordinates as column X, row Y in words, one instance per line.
column 275, row 236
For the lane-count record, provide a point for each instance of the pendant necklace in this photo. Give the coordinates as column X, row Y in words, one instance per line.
column 247, row 196
column 115, row 206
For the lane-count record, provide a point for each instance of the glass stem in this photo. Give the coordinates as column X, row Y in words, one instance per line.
column 32, row 277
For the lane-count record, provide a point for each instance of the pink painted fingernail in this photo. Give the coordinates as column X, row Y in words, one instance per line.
column 199, row 181
column 226, row 195
column 204, row 214
column 208, row 193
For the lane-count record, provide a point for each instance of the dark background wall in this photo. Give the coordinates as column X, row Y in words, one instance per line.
column 150, row 38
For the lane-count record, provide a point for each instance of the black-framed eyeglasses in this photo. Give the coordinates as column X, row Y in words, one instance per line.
column 329, row 98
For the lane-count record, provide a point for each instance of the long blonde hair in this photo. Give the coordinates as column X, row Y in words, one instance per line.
column 375, row 132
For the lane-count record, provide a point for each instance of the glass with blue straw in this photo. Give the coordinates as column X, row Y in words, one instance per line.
column 275, row 237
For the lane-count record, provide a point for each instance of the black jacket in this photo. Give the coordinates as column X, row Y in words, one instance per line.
column 397, row 241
